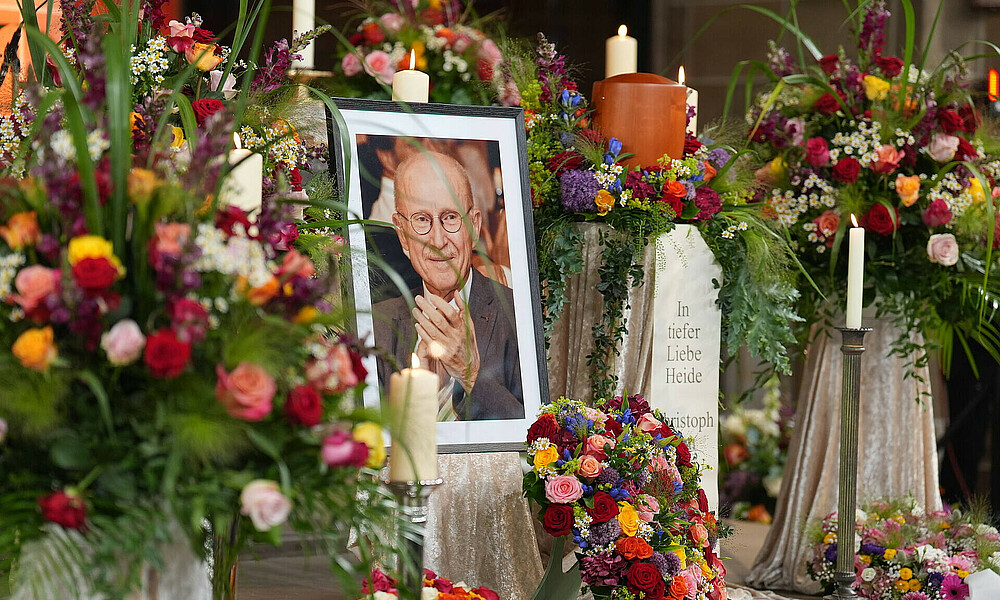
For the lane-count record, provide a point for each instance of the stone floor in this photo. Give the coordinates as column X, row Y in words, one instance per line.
column 287, row 575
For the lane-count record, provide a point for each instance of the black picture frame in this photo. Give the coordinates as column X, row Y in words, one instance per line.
column 358, row 126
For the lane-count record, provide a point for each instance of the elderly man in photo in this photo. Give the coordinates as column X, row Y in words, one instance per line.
column 462, row 325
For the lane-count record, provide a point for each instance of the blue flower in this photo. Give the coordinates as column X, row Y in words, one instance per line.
column 678, row 486
column 560, row 463
column 614, row 146
column 609, row 159
column 566, row 455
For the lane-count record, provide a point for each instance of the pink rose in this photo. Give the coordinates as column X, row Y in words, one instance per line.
column 379, row 64
column 942, row 147
column 123, row 343
column 699, row 535
column 594, row 415
column 340, row 450
column 817, row 152
column 937, row 214
column 246, row 392
column 826, row 225
column 887, row 159
column 170, row 238
column 295, row 264
column 942, row 249
column 180, row 37
column 228, row 89
column 392, row 22
column 648, row 423
column 332, row 370
column 795, row 130
column 351, row 64
column 263, row 502
column 590, row 467
column 33, row 285
column 594, row 446
column 648, row 507
column 563, row 489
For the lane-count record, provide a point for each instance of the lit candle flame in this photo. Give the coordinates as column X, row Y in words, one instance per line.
column 680, row 75
column 414, row 361
column 236, row 141
column 854, row 220
column 413, row 59
column 622, row 30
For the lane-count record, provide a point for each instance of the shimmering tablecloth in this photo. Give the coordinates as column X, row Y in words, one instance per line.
column 897, row 453
column 479, row 529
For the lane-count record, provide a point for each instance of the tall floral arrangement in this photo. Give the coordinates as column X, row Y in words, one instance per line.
column 578, row 176
column 906, row 553
column 164, row 358
column 898, row 144
column 463, row 61
column 620, row 483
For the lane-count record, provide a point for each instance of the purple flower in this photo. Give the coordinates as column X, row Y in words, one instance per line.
column 708, row 202
column 602, row 569
column 780, row 60
column 872, row 38
column 953, row 588
column 640, row 189
column 608, row 476
column 271, row 74
column 872, row 549
column 668, row 564
column 831, row 553
column 605, row 533
column 719, row 157
column 579, row 189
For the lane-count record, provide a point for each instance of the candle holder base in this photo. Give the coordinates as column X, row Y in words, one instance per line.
column 412, row 498
column 844, row 590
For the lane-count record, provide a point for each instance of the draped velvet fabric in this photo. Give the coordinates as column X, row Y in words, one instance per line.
column 896, row 457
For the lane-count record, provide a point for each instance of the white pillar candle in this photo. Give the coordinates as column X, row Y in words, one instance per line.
column 621, row 54
column 855, row 274
column 413, row 406
column 411, row 85
column 243, row 185
column 692, row 101
column 304, row 20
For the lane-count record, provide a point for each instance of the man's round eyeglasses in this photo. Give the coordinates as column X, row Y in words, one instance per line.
column 421, row 222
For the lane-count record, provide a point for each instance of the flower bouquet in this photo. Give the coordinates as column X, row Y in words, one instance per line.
column 620, row 483
column 907, row 554
column 896, row 144
column 382, row 587
column 167, row 363
column 463, row 62
column 577, row 176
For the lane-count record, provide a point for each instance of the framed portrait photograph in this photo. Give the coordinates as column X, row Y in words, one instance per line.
column 443, row 266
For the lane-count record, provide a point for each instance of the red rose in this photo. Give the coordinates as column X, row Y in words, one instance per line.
column 965, row 151
column 486, row 593
column 880, row 221
column 226, row 218
column 165, row 355
column 691, row 145
column 889, row 65
column 817, row 152
column 950, row 121
column 827, row 104
column 605, row 508
column 847, row 170
column 829, row 63
column 203, row 36
column 558, row 519
column 295, row 179
column 937, row 214
column 645, row 578
column 443, row 585
column 356, row 39
column 545, row 427
column 702, row 501
column 94, row 275
column 970, row 118
column 683, row 455
column 676, row 204
column 613, row 427
column 205, row 108
column 62, row 509
column 373, row 34
column 565, row 440
column 304, row 406
column 565, row 161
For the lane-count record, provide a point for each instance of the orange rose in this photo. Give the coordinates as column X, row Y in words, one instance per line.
column 633, row 547
column 678, row 588
column 260, row 295
column 203, row 57
column 675, row 188
column 35, row 348
column 908, row 189
column 21, row 230
column 710, row 171
column 604, row 202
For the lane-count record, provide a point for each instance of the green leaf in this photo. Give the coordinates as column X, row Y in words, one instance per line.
column 557, row 584
column 103, row 403
column 119, row 103
column 71, row 453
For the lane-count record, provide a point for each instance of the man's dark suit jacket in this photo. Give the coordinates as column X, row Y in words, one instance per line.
column 497, row 393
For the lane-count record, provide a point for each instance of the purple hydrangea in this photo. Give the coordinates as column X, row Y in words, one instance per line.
column 641, row 190
column 719, row 157
column 708, row 202
column 604, row 533
column 579, row 189
column 602, row 569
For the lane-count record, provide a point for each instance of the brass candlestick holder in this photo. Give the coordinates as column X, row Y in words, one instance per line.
column 847, row 495
column 412, row 497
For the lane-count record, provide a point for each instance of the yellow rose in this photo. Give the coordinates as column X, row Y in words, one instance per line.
column 141, row 184
column 905, row 573
column 35, row 348
column 908, row 189
column 544, row 458
column 628, row 519
column 890, row 553
column 306, row 315
column 604, row 201
column 178, row 137
column 203, row 57
column 21, row 230
column 976, row 190
column 93, row 246
column 875, row 88
column 370, row 434
column 681, row 554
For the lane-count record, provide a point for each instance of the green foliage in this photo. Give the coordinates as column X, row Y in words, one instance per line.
column 30, row 400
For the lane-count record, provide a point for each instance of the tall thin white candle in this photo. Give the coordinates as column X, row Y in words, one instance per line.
column 855, row 274
column 413, row 402
column 243, row 186
column 692, row 101
column 411, row 85
column 304, row 20
column 621, row 54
